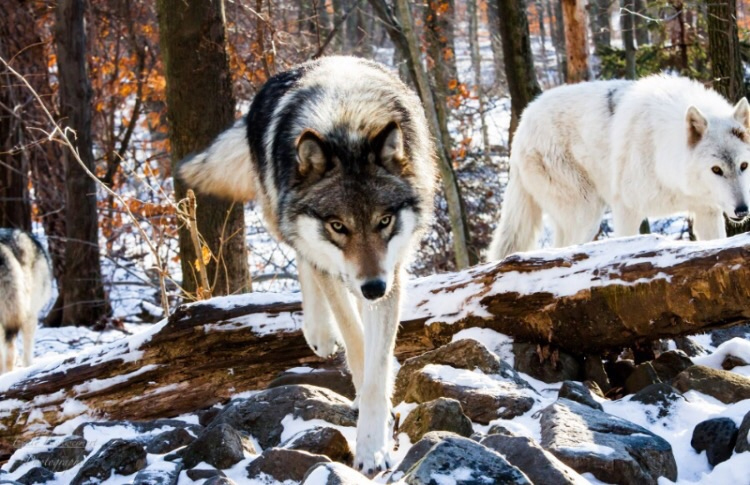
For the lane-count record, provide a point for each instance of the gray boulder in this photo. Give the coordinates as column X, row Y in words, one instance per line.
column 564, row 367
column 661, row 395
column 575, row 391
column 282, row 465
column 160, row 473
column 334, row 474
column 261, row 414
column 717, row 437
column 38, row 474
column 728, row 387
column 418, row 450
column 671, row 363
column 117, row 456
column 338, row 381
column 64, row 456
column 743, row 435
column 442, row 414
column 612, row 449
column 643, row 375
column 221, row 446
column 168, row 441
column 322, row 441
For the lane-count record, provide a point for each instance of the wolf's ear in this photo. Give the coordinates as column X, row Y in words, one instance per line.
column 742, row 112
column 697, row 124
column 310, row 154
column 389, row 144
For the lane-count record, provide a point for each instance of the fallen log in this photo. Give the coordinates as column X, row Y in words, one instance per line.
column 584, row 299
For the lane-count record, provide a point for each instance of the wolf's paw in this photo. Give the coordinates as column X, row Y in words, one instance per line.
column 324, row 343
column 373, row 463
column 355, row 402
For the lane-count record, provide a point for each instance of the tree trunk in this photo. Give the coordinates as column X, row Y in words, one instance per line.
column 476, row 63
column 200, row 105
column 626, row 23
column 599, row 19
column 585, row 299
column 496, row 43
column 400, row 26
column 574, row 19
column 439, row 17
column 642, row 35
column 724, row 49
column 519, row 61
column 559, row 37
column 84, row 299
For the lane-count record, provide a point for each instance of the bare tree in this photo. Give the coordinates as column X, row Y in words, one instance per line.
column 439, row 16
column 642, row 35
column 476, row 62
column 200, row 105
column 724, row 49
column 574, row 18
column 626, row 25
column 599, row 18
column 84, row 299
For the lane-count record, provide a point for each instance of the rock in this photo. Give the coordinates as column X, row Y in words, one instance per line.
column 579, row 393
column 204, row 473
column 539, row 465
column 322, row 441
column 497, row 429
column 689, row 346
column 168, row 441
column 461, row 354
column 418, row 451
column 219, row 481
column 116, row 456
column 284, row 464
column 722, row 335
column 206, row 416
column 221, row 446
column 671, row 363
column 159, row 473
column 491, row 399
column 594, row 388
column 725, row 386
column 731, row 361
column 743, row 435
column 643, row 375
column 334, row 474
column 477, row 464
column 442, row 414
column 67, row 454
column 661, row 395
column 261, row 414
column 717, row 437
column 38, row 474
column 619, row 371
column 338, row 381
column 593, row 370
column 140, row 427
column 563, row 367
column 612, row 449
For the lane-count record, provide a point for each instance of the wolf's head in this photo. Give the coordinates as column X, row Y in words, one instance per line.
column 355, row 211
column 720, row 154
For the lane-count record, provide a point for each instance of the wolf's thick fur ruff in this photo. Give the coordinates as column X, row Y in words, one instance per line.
column 651, row 147
column 338, row 154
column 25, row 284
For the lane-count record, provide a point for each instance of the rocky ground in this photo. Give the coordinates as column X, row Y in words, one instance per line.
column 478, row 410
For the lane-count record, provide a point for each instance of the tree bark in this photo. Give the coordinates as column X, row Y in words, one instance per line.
column 626, row 23
column 642, row 35
column 200, row 105
column 519, row 60
column 439, row 17
column 84, row 298
column 496, row 43
column 585, row 299
column 599, row 19
column 577, row 51
column 476, row 63
column 724, row 49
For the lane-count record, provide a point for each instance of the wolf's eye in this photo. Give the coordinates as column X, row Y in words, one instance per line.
column 385, row 221
column 718, row 171
column 338, row 227
column 743, row 166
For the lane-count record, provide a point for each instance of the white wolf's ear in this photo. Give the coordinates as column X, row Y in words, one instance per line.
column 697, row 124
column 742, row 112
column 310, row 154
column 390, row 144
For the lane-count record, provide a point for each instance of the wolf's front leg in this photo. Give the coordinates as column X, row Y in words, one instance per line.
column 380, row 320
column 709, row 224
column 317, row 324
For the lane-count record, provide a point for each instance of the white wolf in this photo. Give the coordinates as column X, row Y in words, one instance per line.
column 25, row 283
column 651, row 147
column 338, row 153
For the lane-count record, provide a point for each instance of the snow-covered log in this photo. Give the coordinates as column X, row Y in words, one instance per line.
column 584, row 299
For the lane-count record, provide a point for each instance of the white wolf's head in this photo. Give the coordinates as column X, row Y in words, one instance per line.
column 720, row 154
column 355, row 211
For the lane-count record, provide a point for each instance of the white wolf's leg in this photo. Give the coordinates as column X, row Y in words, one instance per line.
column 10, row 355
column 28, row 341
column 3, row 350
column 350, row 326
column 373, row 431
column 626, row 221
column 317, row 324
column 709, row 224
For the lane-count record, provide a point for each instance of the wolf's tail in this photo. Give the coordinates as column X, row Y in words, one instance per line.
column 224, row 168
column 520, row 221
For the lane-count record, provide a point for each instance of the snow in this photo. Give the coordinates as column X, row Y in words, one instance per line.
column 737, row 347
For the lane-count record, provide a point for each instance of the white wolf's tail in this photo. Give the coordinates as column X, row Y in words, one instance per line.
column 224, row 168
column 520, row 221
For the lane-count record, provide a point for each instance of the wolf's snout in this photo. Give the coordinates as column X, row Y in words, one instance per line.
column 373, row 289
column 740, row 211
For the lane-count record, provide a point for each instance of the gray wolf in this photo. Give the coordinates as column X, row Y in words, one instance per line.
column 644, row 148
column 25, row 284
column 338, row 155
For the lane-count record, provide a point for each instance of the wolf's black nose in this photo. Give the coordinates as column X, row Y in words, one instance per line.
column 740, row 211
column 373, row 289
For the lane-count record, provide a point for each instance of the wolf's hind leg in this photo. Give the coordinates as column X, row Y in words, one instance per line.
column 317, row 324
column 28, row 341
column 3, row 350
column 350, row 325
